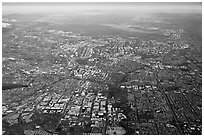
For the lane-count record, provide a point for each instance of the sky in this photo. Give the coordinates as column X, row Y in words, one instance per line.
column 61, row 7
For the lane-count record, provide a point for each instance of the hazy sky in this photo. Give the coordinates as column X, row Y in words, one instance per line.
column 42, row 7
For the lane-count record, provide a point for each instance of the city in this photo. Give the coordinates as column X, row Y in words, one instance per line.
column 99, row 85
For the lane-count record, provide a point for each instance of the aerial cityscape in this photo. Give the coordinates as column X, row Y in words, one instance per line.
column 102, row 69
